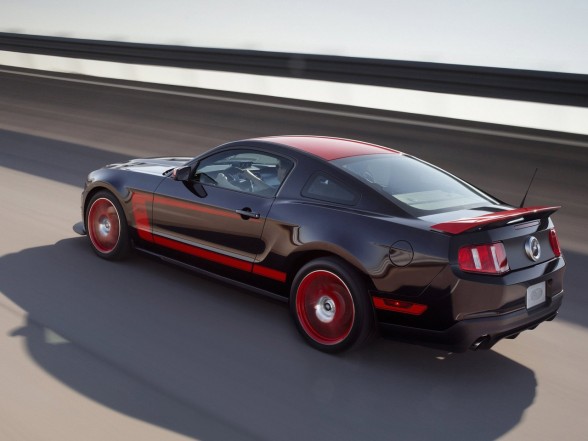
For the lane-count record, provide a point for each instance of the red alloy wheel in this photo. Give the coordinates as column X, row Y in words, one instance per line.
column 325, row 308
column 104, row 225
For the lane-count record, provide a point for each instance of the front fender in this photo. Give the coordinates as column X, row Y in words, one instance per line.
column 122, row 184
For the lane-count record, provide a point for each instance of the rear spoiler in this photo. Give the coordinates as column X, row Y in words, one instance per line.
column 494, row 220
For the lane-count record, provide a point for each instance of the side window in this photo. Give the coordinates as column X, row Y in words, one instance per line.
column 247, row 171
column 324, row 188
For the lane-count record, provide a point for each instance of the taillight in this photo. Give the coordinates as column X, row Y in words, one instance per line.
column 399, row 306
column 486, row 258
column 554, row 242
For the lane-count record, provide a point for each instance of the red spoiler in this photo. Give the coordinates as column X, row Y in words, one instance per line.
column 501, row 218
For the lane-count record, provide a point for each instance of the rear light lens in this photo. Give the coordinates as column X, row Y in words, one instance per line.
column 486, row 258
column 399, row 306
column 554, row 242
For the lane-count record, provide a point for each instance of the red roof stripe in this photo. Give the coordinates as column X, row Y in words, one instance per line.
column 329, row 148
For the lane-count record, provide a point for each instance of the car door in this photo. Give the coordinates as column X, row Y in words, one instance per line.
column 219, row 214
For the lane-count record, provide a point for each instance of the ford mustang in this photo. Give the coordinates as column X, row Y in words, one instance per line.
column 358, row 238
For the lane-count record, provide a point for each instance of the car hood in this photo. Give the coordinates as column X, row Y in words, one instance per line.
column 154, row 166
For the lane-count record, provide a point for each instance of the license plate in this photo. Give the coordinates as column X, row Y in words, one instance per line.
column 535, row 295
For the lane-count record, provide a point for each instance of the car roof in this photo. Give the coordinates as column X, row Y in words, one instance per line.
column 329, row 148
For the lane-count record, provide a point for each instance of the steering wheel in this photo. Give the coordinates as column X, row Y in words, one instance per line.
column 238, row 178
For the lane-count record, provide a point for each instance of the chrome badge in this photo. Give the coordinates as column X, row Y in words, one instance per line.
column 533, row 249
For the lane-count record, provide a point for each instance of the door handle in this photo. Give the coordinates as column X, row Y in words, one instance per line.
column 246, row 213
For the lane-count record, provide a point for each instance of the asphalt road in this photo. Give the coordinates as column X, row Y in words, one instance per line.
column 95, row 350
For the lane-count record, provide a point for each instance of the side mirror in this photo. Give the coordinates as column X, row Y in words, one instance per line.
column 181, row 173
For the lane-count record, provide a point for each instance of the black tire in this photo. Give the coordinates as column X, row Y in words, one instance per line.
column 107, row 226
column 330, row 305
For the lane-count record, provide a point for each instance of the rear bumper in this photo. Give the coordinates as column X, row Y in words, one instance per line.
column 478, row 333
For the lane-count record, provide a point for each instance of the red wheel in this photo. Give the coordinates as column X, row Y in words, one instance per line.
column 103, row 225
column 325, row 307
column 330, row 305
column 106, row 226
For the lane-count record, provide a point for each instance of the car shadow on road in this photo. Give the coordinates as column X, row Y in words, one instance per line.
column 207, row 361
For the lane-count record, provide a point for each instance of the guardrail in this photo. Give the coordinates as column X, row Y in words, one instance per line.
column 524, row 85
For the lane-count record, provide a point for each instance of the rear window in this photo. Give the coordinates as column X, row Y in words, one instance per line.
column 416, row 186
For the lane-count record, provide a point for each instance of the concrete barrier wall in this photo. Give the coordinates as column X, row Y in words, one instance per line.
column 552, row 117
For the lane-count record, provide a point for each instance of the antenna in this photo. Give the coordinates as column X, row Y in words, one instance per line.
column 528, row 188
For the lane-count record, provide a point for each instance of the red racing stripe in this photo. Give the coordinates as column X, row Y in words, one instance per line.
column 269, row 273
column 139, row 203
column 176, row 203
column 204, row 254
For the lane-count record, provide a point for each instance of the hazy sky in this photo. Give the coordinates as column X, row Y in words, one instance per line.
column 529, row 34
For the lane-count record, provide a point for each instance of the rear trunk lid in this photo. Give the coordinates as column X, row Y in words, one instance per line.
column 525, row 233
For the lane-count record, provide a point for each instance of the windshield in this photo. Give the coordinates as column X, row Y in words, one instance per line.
column 416, row 186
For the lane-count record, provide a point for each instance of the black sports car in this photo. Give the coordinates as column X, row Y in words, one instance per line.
column 356, row 236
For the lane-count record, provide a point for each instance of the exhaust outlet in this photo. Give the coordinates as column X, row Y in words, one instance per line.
column 479, row 342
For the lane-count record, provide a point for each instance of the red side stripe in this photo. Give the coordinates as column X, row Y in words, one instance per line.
column 139, row 204
column 269, row 273
column 162, row 200
column 204, row 254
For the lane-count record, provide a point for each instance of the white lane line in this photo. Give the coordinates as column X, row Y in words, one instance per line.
column 346, row 114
